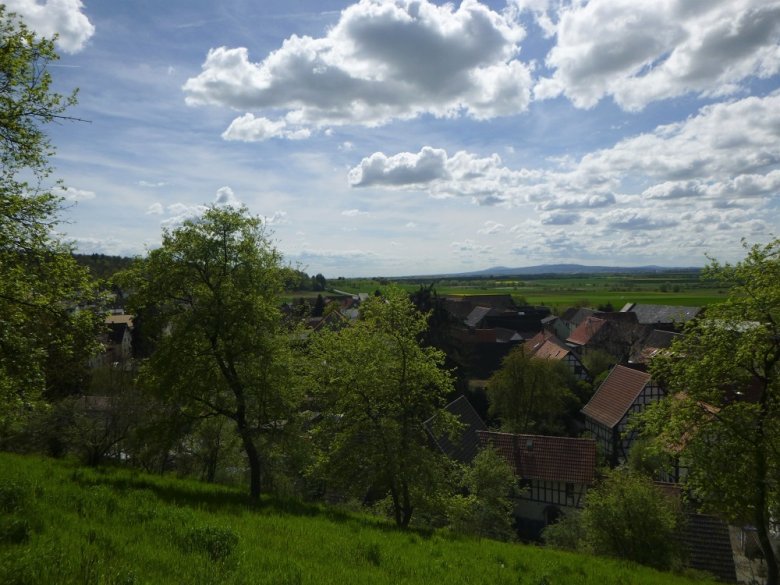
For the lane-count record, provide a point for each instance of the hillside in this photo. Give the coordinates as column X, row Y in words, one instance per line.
column 61, row 524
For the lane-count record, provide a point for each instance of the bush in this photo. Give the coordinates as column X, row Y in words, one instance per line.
column 568, row 533
column 626, row 516
column 487, row 510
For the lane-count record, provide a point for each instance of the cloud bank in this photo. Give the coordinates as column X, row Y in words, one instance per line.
column 382, row 61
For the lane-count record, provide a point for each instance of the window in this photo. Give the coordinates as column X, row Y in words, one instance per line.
column 570, row 494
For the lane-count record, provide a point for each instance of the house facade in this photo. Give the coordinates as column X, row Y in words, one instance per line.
column 625, row 392
column 553, row 472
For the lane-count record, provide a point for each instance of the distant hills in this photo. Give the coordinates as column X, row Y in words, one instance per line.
column 565, row 269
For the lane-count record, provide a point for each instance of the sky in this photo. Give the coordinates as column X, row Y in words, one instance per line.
column 399, row 137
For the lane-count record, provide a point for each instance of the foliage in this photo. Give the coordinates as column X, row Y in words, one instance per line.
column 48, row 319
column 723, row 420
column 118, row 526
column 532, row 395
column 378, row 386
column 221, row 351
column 626, row 516
column 486, row 510
column 598, row 361
column 568, row 533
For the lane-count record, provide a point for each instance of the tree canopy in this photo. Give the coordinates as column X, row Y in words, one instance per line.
column 211, row 294
column 378, row 386
column 531, row 395
column 723, row 419
column 49, row 309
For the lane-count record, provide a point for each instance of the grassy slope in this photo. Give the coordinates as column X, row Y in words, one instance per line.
column 120, row 527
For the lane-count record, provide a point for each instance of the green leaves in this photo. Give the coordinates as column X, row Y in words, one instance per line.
column 377, row 386
column 50, row 310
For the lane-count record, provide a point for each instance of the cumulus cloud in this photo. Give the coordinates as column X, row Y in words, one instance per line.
column 73, row 194
column 155, row 209
column 226, row 198
column 247, row 128
column 725, row 159
column 484, row 179
column 383, row 60
column 640, row 52
column 151, row 185
column 727, row 151
column 178, row 213
column 56, row 17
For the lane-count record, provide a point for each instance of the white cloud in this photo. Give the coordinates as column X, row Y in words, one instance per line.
column 155, row 209
column 180, row 212
column 383, row 60
column 151, row 185
column 491, row 227
column 640, row 52
column 278, row 218
column 354, row 213
column 226, row 198
column 247, row 128
column 73, row 194
column 56, row 17
column 725, row 161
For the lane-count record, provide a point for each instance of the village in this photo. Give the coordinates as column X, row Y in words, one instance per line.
column 554, row 471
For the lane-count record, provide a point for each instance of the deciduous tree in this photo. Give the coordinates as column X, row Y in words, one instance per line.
column 378, row 386
column 48, row 314
column 723, row 418
column 211, row 294
column 531, row 395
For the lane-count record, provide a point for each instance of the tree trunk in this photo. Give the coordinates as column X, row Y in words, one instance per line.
column 762, row 517
column 407, row 507
column 253, row 458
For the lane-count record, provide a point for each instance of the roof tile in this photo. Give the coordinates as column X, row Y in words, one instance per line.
column 616, row 395
column 545, row 458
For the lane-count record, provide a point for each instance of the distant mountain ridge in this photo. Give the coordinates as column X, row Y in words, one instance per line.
column 567, row 269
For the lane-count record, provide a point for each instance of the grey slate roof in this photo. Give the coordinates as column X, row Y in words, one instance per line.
column 466, row 446
column 653, row 314
column 476, row 315
column 709, row 546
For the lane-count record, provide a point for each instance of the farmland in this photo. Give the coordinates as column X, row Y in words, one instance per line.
column 562, row 291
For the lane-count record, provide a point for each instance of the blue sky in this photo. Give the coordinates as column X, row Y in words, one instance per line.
column 418, row 137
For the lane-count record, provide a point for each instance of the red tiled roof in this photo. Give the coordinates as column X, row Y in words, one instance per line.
column 586, row 330
column 537, row 341
column 545, row 458
column 552, row 349
column 616, row 395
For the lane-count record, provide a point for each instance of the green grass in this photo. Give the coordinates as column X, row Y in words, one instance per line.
column 61, row 524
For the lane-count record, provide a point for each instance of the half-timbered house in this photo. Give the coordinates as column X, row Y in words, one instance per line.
column 625, row 391
column 554, row 472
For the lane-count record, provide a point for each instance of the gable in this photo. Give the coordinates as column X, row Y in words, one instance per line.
column 614, row 397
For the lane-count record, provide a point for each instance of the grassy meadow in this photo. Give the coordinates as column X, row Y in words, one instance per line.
column 64, row 524
column 563, row 291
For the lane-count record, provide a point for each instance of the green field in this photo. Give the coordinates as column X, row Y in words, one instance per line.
column 62, row 524
column 561, row 292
